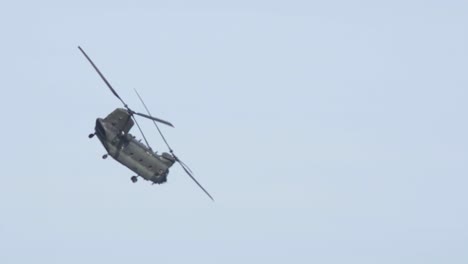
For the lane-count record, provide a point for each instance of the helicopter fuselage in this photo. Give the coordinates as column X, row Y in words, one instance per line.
column 113, row 132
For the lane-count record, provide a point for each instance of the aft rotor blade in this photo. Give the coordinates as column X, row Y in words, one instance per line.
column 141, row 131
column 156, row 125
column 193, row 178
column 182, row 164
column 154, row 118
column 102, row 76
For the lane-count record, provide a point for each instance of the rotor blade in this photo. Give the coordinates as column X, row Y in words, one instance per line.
column 182, row 163
column 193, row 178
column 141, row 131
column 157, row 127
column 102, row 76
column 154, row 118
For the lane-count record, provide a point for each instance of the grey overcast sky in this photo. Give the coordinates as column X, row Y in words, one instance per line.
column 327, row 131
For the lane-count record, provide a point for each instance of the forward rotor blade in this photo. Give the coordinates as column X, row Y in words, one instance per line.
column 154, row 118
column 102, row 76
column 193, row 178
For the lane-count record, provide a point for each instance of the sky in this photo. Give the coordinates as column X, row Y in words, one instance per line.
column 327, row 131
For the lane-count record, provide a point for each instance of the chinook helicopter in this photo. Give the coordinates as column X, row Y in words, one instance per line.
column 113, row 132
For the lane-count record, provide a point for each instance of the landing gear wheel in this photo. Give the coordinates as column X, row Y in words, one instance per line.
column 134, row 179
column 91, row 135
column 104, row 156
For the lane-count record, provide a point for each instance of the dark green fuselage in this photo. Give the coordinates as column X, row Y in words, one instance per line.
column 113, row 132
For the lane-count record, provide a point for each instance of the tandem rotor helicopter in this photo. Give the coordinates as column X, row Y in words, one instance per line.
column 113, row 132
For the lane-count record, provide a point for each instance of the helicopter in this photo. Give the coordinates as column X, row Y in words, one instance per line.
column 113, row 133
